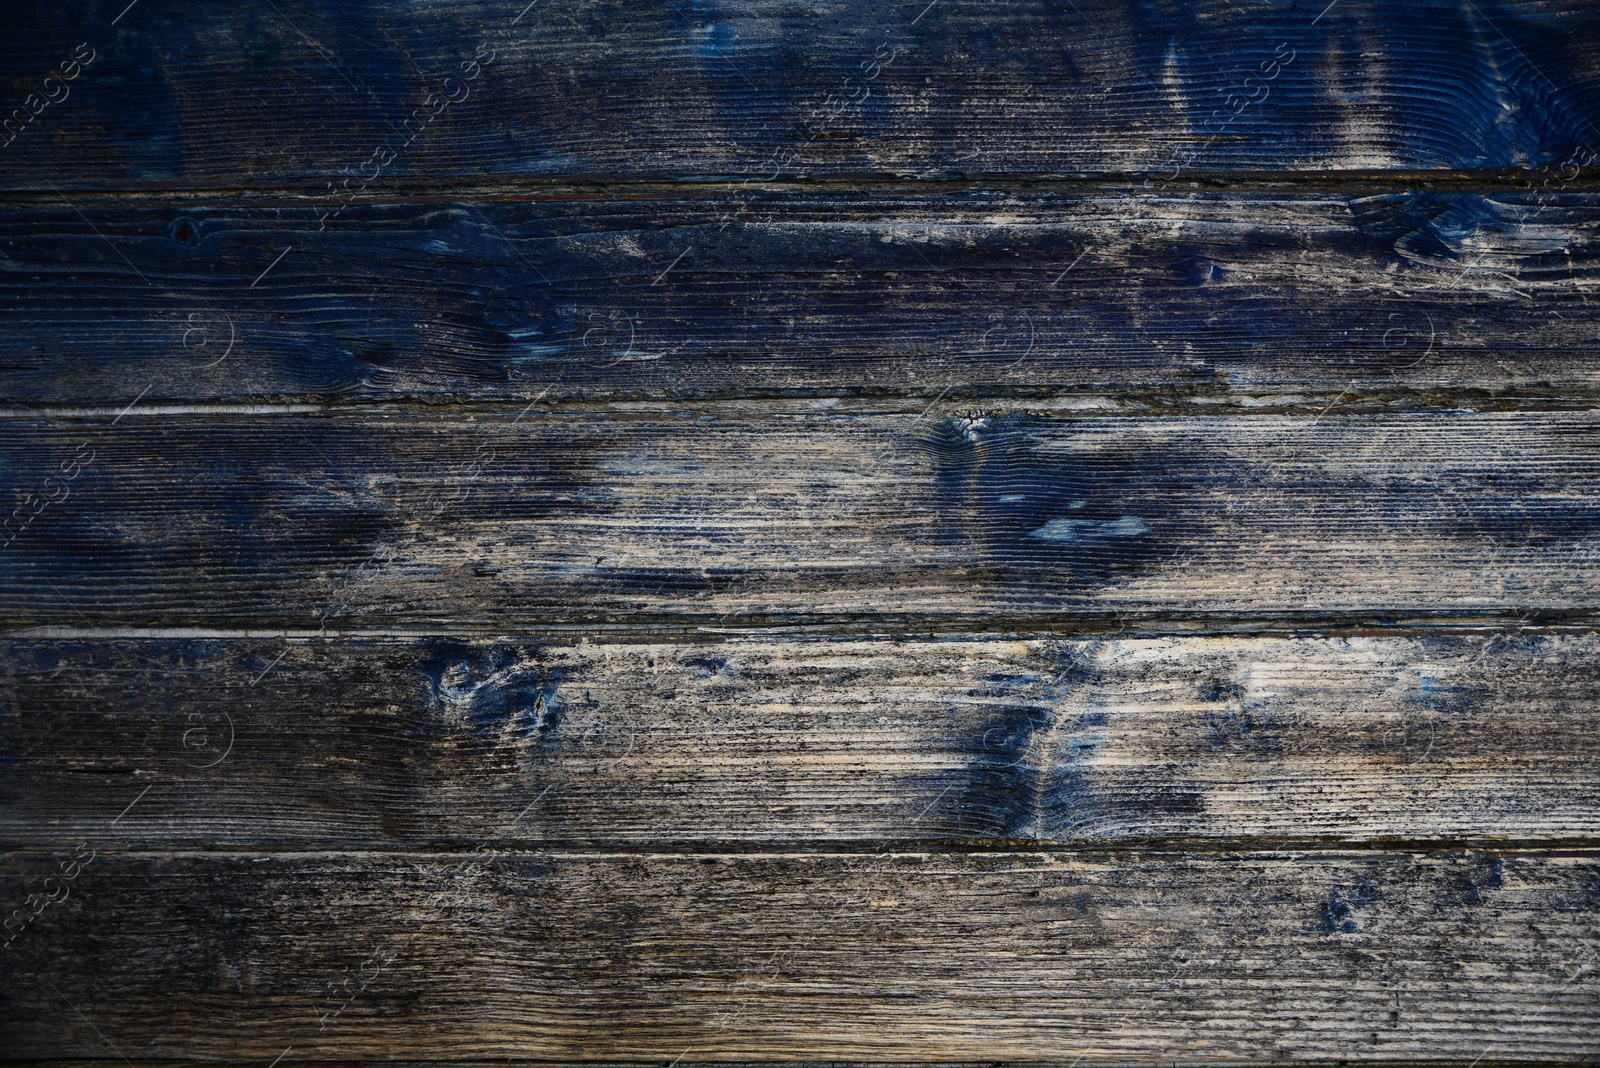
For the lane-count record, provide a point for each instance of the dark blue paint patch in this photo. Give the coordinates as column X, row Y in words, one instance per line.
column 1198, row 270
column 1486, row 84
column 1028, row 774
column 1436, row 230
column 185, row 231
column 716, row 41
column 1525, row 509
column 1001, row 791
column 1025, row 512
column 1523, row 117
column 289, row 515
column 1469, row 887
column 227, row 516
column 1240, row 725
column 713, row 667
column 260, row 46
column 1589, row 895
column 1338, row 914
column 1421, row 226
column 1243, row 729
column 492, row 692
column 518, row 298
column 1489, row 103
column 1435, row 707
column 128, row 98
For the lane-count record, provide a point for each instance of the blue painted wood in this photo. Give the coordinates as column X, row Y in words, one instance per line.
column 355, row 94
column 1411, row 298
column 496, row 521
column 655, row 322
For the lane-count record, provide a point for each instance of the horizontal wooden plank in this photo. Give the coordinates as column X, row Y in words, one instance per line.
column 515, row 521
column 798, row 744
column 364, row 93
column 1196, row 298
column 1373, row 958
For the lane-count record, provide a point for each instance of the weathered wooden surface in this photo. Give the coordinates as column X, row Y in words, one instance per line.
column 1145, row 957
column 758, row 513
column 1156, row 299
column 353, row 94
column 938, row 532
column 799, row 744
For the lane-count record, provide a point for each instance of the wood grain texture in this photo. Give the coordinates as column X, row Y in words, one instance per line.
column 801, row 744
column 1128, row 957
column 511, row 521
column 752, row 531
column 1153, row 300
column 213, row 95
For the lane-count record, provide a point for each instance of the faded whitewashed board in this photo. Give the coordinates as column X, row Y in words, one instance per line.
column 745, row 531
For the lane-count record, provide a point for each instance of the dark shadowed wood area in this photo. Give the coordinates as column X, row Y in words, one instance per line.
column 212, row 95
column 667, row 534
column 1162, row 300
column 1016, row 956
